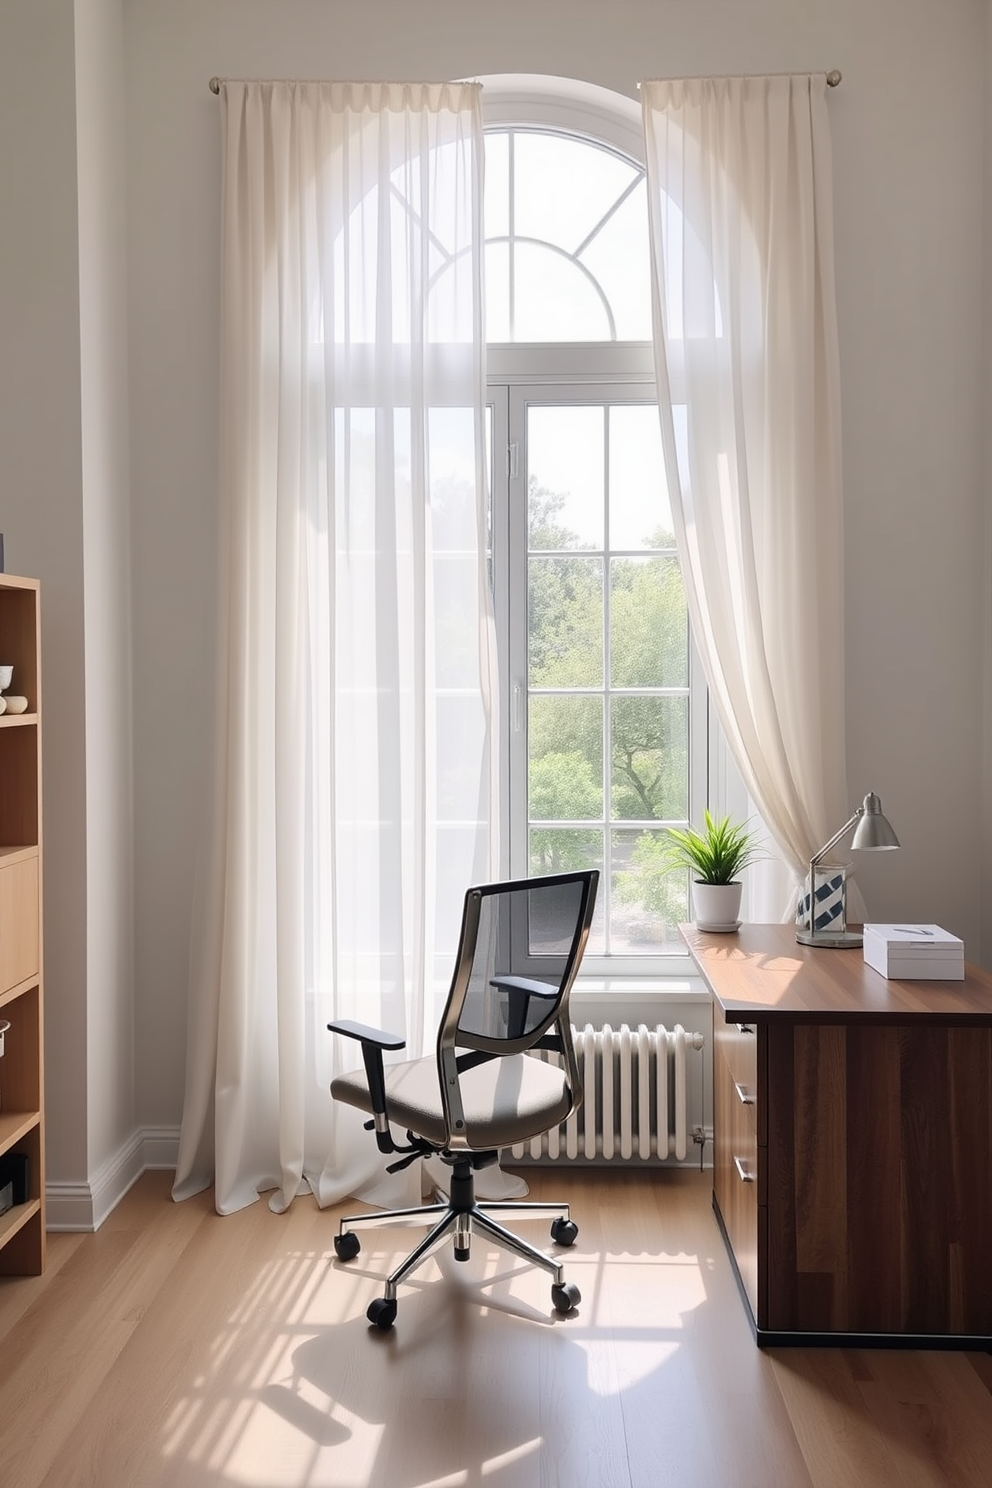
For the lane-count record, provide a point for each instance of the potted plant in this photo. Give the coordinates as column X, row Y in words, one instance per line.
column 716, row 856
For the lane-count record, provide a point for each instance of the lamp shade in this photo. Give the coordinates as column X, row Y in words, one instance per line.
column 873, row 831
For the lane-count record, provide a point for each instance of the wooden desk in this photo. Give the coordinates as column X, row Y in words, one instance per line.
column 852, row 1143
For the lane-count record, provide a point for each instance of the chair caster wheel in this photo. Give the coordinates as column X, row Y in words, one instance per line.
column 381, row 1312
column 565, row 1297
column 564, row 1232
column 347, row 1245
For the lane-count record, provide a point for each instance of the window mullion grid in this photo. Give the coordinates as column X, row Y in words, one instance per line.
column 522, row 397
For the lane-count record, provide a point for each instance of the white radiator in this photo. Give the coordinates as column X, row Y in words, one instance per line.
column 635, row 1103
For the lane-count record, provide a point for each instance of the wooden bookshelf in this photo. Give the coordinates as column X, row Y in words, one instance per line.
column 22, row 1228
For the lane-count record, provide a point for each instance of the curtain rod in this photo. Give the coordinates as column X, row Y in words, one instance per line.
column 834, row 79
column 215, row 82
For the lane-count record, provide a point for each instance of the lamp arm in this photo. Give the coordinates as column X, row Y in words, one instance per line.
column 835, row 838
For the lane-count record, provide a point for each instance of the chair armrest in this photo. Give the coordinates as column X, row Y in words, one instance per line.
column 526, row 985
column 373, row 1042
column 521, row 990
column 367, row 1035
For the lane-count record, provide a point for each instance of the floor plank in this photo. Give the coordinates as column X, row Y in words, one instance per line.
column 179, row 1349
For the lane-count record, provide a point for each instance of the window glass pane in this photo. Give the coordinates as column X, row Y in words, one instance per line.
column 452, row 297
column 460, row 720
column 640, row 509
column 439, row 179
column 452, row 466
column 554, row 300
column 565, row 747
column 565, row 463
column 354, row 306
column 649, row 758
column 565, row 622
column 490, row 460
column 354, row 472
column 649, row 900
column 456, row 594
column 564, row 186
column 619, row 257
column 556, row 850
column 562, row 850
column 498, row 292
column 497, row 185
column 649, row 627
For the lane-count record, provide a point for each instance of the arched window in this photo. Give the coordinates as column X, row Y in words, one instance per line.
column 567, row 255
column 605, row 718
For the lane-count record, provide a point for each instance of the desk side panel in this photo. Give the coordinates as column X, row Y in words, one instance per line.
column 879, row 1179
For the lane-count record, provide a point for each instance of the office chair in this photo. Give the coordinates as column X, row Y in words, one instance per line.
column 520, row 947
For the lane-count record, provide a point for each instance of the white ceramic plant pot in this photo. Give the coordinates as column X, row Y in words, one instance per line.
column 716, row 906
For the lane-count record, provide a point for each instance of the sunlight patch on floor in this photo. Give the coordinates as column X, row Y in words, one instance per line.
column 278, row 1399
column 282, row 1433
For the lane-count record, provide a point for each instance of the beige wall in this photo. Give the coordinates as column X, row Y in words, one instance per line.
column 100, row 134
column 41, row 493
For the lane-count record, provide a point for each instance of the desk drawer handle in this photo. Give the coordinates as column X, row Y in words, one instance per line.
column 742, row 1171
column 742, row 1094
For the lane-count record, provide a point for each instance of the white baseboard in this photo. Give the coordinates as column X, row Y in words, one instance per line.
column 84, row 1206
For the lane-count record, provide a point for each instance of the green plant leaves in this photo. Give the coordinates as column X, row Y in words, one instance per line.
column 716, row 855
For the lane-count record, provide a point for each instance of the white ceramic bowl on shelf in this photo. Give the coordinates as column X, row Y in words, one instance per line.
column 16, row 704
column 6, row 677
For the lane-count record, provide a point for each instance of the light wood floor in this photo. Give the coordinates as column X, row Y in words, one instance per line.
column 176, row 1347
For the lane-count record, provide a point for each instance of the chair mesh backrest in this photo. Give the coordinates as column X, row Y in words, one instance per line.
column 532, row 932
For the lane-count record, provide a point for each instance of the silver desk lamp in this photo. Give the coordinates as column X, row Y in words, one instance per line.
column 871, row 832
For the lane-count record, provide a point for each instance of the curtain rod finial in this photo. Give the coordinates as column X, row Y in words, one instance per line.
column 214, row 85
column 834, row 78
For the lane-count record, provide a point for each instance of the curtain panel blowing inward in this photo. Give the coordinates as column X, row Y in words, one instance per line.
column 741, row 221
column 354, row 790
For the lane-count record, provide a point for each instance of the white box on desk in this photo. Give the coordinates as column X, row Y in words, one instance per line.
column 923, row 953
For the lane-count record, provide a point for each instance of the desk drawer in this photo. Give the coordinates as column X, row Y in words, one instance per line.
column 737, row 1173
column 737, row 1045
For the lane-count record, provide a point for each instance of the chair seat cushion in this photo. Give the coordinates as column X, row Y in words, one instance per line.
column 506, row 1100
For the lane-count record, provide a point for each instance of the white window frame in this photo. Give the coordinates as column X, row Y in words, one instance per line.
column 518, row 378
column 598, row 372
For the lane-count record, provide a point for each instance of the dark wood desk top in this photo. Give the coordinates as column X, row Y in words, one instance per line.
column 762, row 973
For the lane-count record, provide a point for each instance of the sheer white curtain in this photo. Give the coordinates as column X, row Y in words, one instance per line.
column 740, row 201
column 355, row 780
